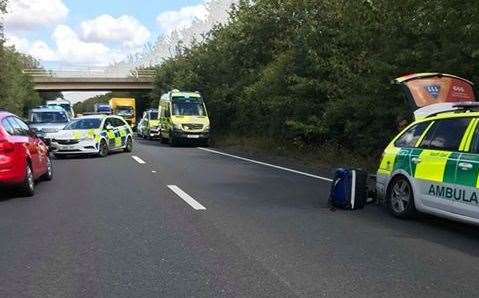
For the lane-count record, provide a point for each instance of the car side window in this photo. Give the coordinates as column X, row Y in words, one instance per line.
column 16, row 128
column 410, row 137
column 118, row 122
column 19, row 128
column 8, row 127
column 22, row 125
column 446, row 134
column 107, row 122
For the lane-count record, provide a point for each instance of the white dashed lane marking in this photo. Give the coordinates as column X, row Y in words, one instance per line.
column 187, row 198
column 138, row 160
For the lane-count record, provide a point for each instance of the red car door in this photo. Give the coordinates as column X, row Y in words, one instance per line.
column 37, row 150
column 24, row 138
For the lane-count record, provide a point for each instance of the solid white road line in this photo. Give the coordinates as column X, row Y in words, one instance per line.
column 266, row 164
column 138, row 160
column 192, row 202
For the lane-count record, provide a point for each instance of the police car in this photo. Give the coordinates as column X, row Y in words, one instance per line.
column 95, row 134
column 432, row 166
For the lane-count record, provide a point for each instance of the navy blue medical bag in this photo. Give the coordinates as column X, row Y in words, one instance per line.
column 349, row 189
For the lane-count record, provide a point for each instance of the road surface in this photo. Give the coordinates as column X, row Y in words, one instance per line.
column 182, row 222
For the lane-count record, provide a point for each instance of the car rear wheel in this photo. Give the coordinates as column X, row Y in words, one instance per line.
column 28, row 185
column 48, row 176
column 129, row 145
column 103, row 151
column 401, row 198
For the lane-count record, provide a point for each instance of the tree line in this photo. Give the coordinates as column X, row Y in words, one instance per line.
column 318, row 72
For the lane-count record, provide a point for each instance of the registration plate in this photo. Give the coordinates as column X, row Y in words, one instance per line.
column 192, row 136
column 68, row 148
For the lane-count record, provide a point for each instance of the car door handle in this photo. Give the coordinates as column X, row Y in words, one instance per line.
column 416, row 160
column 465, row 166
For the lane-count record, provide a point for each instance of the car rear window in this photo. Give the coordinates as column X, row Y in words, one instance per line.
column 49, row 117
column 446, row 134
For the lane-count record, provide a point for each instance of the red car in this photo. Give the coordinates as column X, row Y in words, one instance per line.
column 24, row 158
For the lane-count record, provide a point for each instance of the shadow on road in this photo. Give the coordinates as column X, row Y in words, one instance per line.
column 8, row 193
column 85, row 156
column 444, row 232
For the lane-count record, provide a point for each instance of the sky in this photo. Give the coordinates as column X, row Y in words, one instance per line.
column 79, row 34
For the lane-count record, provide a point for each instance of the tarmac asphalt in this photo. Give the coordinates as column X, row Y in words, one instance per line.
column 186, row 222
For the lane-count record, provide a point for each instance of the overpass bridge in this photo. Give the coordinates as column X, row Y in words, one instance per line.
column 91, row 80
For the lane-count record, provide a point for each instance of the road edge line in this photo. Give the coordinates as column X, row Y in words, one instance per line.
column 266, row 164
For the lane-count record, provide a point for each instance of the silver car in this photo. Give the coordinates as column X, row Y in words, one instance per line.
column 47, row 121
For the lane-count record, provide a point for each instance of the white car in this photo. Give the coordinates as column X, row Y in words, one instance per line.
column 96, row 134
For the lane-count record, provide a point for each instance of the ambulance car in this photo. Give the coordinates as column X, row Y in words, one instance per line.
column 432, row 166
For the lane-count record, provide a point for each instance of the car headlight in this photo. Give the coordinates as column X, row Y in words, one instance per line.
column 207, row 128
column 178, row 126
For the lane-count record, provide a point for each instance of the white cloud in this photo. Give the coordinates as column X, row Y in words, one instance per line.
column 125, row 30
column 69, row 49
column 183, row 18
column 73, row 50
column 20, row 43
column 38, row 49
column 30, row 14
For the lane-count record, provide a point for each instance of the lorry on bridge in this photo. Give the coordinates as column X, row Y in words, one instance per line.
column 126, row 108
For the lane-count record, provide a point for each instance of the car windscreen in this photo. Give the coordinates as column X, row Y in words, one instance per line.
column 65, row 106
column 183, row 106
column 103, row 109
column 124, row 111
column 49, row 117
column 84, row 124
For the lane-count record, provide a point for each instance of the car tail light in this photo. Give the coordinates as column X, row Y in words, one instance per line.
column 6, row 147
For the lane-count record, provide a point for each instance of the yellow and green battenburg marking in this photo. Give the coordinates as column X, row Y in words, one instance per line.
column 440, row 166
column 118, row 138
